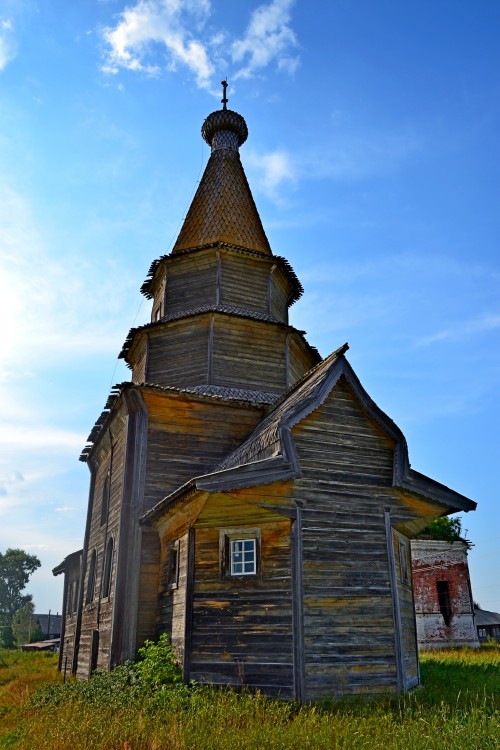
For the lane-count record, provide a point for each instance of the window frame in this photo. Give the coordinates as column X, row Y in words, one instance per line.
column 107, row 574
column 226, row 538
column 172, row 565
column 404, row 566
column 92, row 579
column 105, row 498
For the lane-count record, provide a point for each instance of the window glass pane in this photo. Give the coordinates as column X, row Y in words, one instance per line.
column 243, row 557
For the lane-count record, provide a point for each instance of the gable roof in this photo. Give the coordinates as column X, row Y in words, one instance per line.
column 269, row 454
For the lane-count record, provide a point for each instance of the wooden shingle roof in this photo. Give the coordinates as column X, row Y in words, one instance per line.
column 223, row 208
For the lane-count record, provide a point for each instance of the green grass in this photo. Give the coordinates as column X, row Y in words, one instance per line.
column 458, row 708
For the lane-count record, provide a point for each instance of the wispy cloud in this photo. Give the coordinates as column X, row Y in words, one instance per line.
column 154, row 35
column 268, row 38
column 461, row 330
column 133, row 42
column 7, row 42
column 272, row 169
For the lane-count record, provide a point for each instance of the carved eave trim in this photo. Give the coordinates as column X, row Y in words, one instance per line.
column 296, row 288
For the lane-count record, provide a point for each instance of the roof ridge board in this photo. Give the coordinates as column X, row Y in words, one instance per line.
column 281, row 260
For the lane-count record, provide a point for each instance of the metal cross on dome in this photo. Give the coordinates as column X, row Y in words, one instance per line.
column 224, row 99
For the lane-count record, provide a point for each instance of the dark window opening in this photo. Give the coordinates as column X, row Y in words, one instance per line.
column 172, row 565
column 444, row 601
column 91, row 579
column 108, row 566
column 404, row 568
column 95, row 650
column 105, row 501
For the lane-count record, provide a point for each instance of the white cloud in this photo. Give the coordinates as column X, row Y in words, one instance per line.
column 273, row 169
column 168, row 23
column 268, row 38
column 7, row 45
column 168, row 34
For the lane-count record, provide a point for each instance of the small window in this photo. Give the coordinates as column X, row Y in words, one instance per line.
column 481, row 632
column 108, row 567
column 91, row 579
column 172, row 565
column 404, row 571
column 240, row 552
column 69, row 603
column 243, row 557
column 105, row 501
column 443, row 591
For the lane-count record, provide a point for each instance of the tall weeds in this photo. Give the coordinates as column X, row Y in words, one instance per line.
column 458, row 708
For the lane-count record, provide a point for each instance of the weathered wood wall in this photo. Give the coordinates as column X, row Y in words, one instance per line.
column 242, row 627
column 97, row 615
column 349, row 639
column 188, row 436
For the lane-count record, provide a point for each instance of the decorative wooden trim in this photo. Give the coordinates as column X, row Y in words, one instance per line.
column 83, row 569
column 398, row 629
column 188, row 621
column 299, row 670
column 124, row 619
column 270, row 288
column 218, row 278
column 287, row 361
column 210, row 358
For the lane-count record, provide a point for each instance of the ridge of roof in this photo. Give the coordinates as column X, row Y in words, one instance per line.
column 281, row 261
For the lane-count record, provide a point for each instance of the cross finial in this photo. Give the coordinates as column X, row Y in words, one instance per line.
column 224, row 99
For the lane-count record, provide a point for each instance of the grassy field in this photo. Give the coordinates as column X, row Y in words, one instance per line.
column 458, row 708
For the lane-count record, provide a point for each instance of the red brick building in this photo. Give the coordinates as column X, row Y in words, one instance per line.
column 443, row 598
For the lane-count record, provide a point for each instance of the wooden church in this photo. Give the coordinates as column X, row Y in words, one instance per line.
column 247, row 497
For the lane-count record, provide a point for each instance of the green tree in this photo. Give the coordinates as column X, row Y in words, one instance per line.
column 445, row 529
column 25, row 629
column 16, row 566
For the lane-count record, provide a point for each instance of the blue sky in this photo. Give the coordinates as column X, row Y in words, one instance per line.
column 373, row 157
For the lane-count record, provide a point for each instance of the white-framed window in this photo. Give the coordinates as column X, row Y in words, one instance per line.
column 243, row 557
column 240, row 552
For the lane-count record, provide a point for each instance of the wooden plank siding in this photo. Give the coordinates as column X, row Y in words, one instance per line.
column 409, row 647
column 188, row 437
column 349, row 637
column 279, row 294
column 249, row 354
column 172, row 599
column 178, row 352
column 242, row 627
column 244, row 282
column 300, row 358
column 191, row 282
column 97, row 615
